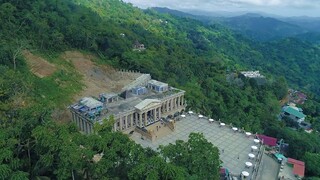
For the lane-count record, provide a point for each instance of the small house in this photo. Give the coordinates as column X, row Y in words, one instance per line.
column 298, row 167
column 293, row 113
column 270, row 141
column 108, row 97
column 138, row 46
column 158, row 86
column 91, row 103
column 139, row 90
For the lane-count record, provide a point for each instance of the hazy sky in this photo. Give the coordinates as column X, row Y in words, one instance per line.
column 279, row 7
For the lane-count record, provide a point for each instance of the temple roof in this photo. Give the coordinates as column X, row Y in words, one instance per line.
column 147, row 103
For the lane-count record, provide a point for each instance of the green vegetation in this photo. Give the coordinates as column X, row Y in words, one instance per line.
column 183, row 52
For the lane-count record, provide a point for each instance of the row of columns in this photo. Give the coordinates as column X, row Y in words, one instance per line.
column 172, row 104
column 140, row 119
column 155, row 116
column 83, row 124
column 135, row 119
column 125, row 122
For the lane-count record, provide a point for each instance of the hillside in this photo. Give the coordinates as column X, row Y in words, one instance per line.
column 257, row 55
column 185, row 53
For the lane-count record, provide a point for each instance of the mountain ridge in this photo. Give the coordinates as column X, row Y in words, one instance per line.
column 271, row 27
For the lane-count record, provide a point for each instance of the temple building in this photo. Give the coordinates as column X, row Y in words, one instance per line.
column 136, row 107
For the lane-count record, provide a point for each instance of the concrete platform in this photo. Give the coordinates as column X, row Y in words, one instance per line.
column 234, row 146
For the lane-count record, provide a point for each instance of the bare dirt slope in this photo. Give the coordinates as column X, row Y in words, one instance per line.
column 38, row 66
column 97, row 78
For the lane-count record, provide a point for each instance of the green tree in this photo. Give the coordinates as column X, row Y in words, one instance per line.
column 312, row 161
column 198, row 156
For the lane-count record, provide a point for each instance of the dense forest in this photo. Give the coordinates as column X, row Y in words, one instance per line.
column 185, row 53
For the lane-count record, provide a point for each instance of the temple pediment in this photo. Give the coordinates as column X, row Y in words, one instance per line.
column 147, row 104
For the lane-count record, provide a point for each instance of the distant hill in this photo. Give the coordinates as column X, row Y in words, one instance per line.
column 202, row 18
column 262, row 28
column 312, row 37
column 310, row 23
column 257, row 26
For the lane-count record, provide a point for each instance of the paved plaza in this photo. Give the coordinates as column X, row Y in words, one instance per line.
column 234, row 146
column 270, row 169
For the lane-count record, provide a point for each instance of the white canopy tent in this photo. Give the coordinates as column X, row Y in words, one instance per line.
column 254, row 147
column 245, row 173
column 248, row 164
column 251, row 155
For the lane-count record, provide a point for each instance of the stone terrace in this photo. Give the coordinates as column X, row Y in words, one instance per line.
column 234, row 146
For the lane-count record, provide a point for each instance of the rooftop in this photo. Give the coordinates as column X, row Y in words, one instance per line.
column 290, row 168
column 90, row 102
column 109, row 95
column 146, row 102
column 294, row 111
column 270, row 141
column 122, row 105
column 251, row 74
column 157, row 83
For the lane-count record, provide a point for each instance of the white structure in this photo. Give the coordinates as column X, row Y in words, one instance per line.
column 134, row 110
column 252, row 74
column 158, row 86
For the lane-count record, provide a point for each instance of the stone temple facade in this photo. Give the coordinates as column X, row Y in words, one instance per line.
column 139, row 105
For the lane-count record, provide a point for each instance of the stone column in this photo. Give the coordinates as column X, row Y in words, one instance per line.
column 136, row 118
column 179, row 100
column 131, row 120
column 89, row 128
column 126, row 122
column 154, row 115
column 78, row 121
column 86, row 127
column 140, row 119
column 115, row 126
column 73, row 118
column 182, row 100
column 145, row 119
column 172, row 104
column 81, row 124
column 167, row 105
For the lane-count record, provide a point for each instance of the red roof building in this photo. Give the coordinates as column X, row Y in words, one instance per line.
column 298, row 167
column 270, row 141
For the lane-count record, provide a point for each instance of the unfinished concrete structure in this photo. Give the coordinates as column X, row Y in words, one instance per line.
column 139, row 104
